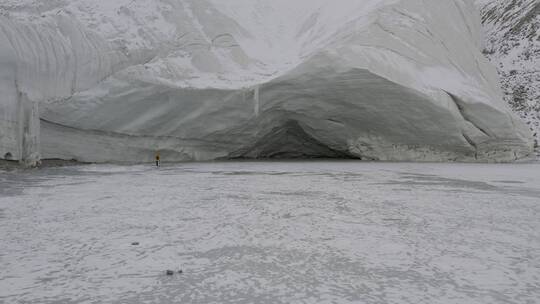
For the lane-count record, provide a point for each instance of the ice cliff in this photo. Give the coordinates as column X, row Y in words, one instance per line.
column 214, row 79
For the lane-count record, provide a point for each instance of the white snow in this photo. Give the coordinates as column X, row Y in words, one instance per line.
column 322, row 232
column 512, row 43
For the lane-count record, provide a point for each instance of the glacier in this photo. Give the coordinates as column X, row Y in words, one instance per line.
column 390, row 80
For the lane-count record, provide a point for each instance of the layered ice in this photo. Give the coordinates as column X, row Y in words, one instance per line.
column 209, row 79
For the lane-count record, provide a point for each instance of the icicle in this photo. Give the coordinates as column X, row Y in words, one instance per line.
column 256, row 101
column 28, row 129
column 20, row 124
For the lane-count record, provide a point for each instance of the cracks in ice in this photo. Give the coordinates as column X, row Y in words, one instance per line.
column 461, row 109
column 472, row 144
column 125, row 135
column 466, row 117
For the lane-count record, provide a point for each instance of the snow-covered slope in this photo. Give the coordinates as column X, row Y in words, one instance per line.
column 207, row 79
column 513, row 45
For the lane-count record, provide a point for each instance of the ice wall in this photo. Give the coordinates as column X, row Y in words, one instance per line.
column 9, row 105
column 374, row 79
column 19, row 116
column 42, row 61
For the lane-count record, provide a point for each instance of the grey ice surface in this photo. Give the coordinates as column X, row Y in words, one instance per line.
column 271, row 232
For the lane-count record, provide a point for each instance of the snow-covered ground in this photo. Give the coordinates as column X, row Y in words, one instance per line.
column 277, row 232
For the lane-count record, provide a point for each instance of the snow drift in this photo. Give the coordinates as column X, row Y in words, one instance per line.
column 211, row 79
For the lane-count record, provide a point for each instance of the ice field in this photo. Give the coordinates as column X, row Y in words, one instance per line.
column 271, row 232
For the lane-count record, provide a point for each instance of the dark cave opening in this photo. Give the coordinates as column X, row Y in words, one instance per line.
column 290, row 141
column 8, row 156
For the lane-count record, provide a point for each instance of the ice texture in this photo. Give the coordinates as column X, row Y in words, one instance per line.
column 321, row 232
column 209, row 79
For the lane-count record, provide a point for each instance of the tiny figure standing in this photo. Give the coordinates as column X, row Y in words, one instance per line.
column 158, row 159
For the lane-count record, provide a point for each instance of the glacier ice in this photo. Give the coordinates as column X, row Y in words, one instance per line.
column 210, row 79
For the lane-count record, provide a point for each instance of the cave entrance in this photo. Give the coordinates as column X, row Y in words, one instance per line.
column 290, row 141
column 8, row 156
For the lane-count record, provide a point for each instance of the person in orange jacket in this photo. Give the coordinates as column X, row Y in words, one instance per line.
column 158, row 159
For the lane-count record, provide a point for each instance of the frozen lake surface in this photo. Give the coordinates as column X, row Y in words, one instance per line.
column 272, row 232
